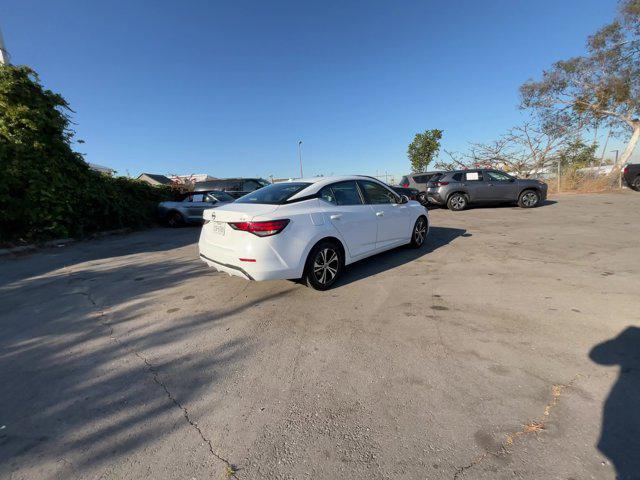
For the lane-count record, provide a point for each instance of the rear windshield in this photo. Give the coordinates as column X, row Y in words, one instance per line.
column 435, row 177
column 273, row 194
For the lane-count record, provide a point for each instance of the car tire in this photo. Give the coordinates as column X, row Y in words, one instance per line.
column 175, row 220
column 457, row 202
column 529, row 199
column 636, row 184
column 324, row 265
column 419, row 232
column 422, row 198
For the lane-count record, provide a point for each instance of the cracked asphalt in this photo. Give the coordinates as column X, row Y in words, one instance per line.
column 508, row 348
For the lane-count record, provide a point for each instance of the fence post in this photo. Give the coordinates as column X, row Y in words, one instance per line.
column 558, row 176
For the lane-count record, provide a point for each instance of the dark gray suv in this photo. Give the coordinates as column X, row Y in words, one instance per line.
column 460, row 188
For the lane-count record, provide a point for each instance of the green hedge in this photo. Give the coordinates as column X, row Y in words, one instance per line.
column 46, row 189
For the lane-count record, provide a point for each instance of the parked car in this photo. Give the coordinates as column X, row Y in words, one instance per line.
column 631, row 176
column 419, row 182
column 190, row 208
column 461, row 188
column 309, row 229
column 411, row 193
column 236, row 187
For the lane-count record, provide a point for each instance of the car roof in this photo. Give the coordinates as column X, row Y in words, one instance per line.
column 318, row 182
column 432, row 172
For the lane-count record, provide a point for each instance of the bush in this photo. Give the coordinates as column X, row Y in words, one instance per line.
column 46, row 189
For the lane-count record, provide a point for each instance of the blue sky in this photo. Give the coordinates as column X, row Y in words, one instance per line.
column 227, row 88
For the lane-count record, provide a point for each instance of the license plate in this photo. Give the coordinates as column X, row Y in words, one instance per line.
column 218, row 227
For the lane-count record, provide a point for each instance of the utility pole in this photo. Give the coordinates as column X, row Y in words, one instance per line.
column 4, row 55
column 300, row 157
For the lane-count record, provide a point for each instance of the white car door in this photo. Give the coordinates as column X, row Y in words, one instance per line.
column 393, row 217
column 347, row 212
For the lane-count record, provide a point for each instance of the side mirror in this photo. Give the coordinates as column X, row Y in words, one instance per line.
column 404, row 199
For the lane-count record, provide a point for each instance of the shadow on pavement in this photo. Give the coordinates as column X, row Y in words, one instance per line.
column 53, row 258
column 83, row 349
column 620, row 435
column 545, row 203
column 438, row 237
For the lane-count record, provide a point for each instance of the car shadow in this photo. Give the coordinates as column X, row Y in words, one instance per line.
column 620, row 434
column 544, row 203
column 438, row 237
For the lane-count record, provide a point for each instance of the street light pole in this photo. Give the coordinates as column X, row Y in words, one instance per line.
column 300, row 157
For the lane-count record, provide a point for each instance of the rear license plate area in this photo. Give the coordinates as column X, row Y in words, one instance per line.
column 218, row 228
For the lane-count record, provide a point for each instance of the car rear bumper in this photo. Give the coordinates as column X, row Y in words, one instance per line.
column 255, row 259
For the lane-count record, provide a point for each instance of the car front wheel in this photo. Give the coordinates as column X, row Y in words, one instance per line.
column 324, row 265
column 528, row 199
column 175, row 220
column 419, row 234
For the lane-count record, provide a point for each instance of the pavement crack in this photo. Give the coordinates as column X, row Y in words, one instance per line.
column 535, row 426
column 231, row 469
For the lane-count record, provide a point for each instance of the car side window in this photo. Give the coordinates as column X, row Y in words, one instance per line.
column 342, row 193
column 420, row 179
column 376, row 194
column 210, row 198
column 498, row 176
column 457, row 177
column 473, row 176
column 250, row 185
column 327, row 195
column 198, row 197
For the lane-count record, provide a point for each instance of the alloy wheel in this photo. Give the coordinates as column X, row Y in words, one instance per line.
column 458, row 202
column 325, row 265
column 529, row 199
column 420, row 232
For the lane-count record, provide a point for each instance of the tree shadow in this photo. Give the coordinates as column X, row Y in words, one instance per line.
column 438, row 237
column 620, row 435
column 82, row 355
column 48, row 259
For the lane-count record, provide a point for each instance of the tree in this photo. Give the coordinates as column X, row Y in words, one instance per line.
column 602, row 87
column 578, row 154
column 424, row 147
column 46, row 189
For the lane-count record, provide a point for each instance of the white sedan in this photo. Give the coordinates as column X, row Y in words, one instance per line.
column 309, row 229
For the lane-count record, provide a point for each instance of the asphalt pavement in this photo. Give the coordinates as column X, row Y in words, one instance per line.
column 508, row 347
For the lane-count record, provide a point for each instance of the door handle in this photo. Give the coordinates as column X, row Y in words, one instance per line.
column 335, row 217
column 379, row 214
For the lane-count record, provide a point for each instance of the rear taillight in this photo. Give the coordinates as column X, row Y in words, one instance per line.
column 261, row 229
column 626, row 170
column 441, row 184
column 404, row 185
